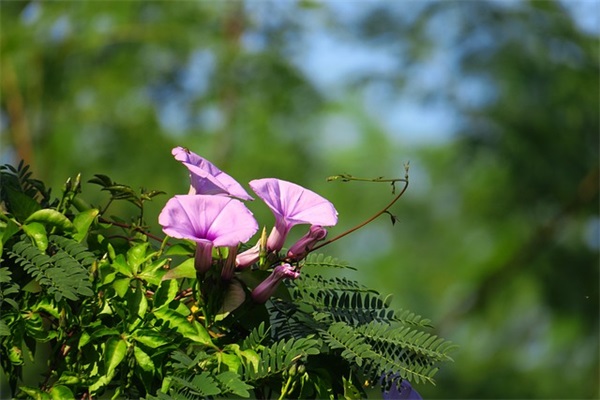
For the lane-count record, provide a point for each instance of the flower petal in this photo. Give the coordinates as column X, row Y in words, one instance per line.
column 206, row 178
column 293, row 203
column 221, row 220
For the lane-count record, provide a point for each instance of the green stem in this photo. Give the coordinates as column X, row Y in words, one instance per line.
column 285, row 388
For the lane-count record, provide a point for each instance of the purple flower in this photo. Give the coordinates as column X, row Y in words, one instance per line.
column 266, row 288
column 404, row 391
column 248, row 257
column 209, row 221
column 206, row 178
column 292, row 205
column 300, row 249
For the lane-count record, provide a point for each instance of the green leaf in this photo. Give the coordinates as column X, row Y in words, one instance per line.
column 20, row 205
column 180, row 249
column 190, row 330
column 61, row 392
column 120, row 265
column 35, row 393
column 6, row 231
column 121, row 286
column 143, row 359
column 53, row 218
column 153, row 272
column 232, row 361
column 83, row 221
column 136, row 256
column 4, row 329
column 150, row 338
column 114, row 353
column 37, row 232
column 234, row 384
column 166, row 293
column 184, row 270
column 137, row 304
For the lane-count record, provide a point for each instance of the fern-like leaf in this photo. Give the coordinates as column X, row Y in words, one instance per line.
column 354, row 348
column 62, row 275
column 322, row 261
column 280, row 356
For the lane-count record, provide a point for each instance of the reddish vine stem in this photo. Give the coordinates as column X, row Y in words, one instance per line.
column 357, row 227
column 127, row 226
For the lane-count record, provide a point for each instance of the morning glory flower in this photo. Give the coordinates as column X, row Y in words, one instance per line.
column 404, row 391
column 305, row 244
column 292, row 205
column 209, row 221
column 206, row 178
column 266, row 288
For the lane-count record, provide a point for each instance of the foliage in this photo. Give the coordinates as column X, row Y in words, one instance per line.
column 494, row 103
column 121, row 320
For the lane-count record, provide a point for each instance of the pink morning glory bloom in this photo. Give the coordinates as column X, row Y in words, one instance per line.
column 305, row 244
column 292, row 205
column 266, row 288
column 209, row 221
column 206, row 178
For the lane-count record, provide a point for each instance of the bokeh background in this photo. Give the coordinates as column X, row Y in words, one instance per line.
column 494, row 103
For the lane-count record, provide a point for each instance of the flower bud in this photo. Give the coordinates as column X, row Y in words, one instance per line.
column 302, row 247
column 266, row 288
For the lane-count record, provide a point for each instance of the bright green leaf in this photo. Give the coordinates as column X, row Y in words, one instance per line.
column 52, row 218
column 114, row 353
column 61, row 392
column 121, row 286
column 136, row 256
column 83, row 221
column 143, row 359
column 150, row 338
column 184, row 270
column 121, row 266
column 37, row 232
column 154, row 272
column 180, row 249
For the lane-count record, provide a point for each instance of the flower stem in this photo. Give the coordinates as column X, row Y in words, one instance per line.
column 347, row 178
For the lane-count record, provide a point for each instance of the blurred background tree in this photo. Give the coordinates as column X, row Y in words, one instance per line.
column 495, row 104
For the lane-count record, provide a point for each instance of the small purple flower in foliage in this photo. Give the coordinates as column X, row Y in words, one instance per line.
column 300, row 249
column 266, row 288
column 209, row 221
column 403, row 391
column 206, row 178
column 292, row 205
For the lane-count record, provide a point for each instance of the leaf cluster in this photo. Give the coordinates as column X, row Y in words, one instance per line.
column 123, row 316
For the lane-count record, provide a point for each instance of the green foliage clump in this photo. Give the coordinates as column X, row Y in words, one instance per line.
column 117, row 316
